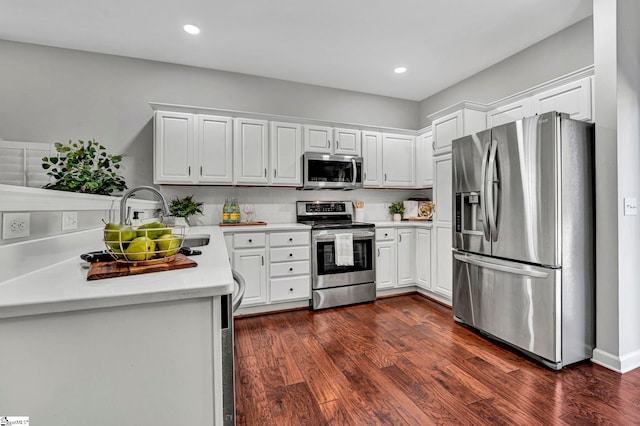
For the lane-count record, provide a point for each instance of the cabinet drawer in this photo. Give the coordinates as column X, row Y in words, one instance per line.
column 385, row 234
column 290, row 288
column 290, row 268
column 244, row 240
column 284, row 254
column 289, row 239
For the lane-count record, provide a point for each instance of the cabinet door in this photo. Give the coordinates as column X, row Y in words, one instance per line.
column 406, row 256
column 286, row 160
column 423, row 258
column 398, row 161
column 317, row 139
column 445, row 130
column 250, row 141
column 442, row 260
column 215, row 149
column 573, row 98
column 347, row 141
column 508, row 113
column 385, row 265
column 173, row 147
column 442, row 190
column 251, row 265
column 424, row 160
column 372, row 158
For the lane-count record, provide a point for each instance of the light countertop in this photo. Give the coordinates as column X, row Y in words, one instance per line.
column 63, row 286
column 404, row 224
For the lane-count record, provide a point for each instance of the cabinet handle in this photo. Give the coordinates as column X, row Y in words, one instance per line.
column 385, row 177
column 433, row 145
column 337, row 144
column 262, row 257
column 378, row 252
column 274, row 173
column 290, row 254
column 290, row 269
column 365, row 175
column 291, row 290
column 329, row 144
column 386, row 235
column 290, row 239
column 400, row 237
column 189, row 170
column 250, row 240
column 200, row 170
column 265, row 172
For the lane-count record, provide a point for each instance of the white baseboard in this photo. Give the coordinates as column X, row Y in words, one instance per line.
column 621, row 364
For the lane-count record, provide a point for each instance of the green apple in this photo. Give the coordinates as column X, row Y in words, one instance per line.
column 141, row 248
column 117, row 235
column 152, row 230
column 168, row 245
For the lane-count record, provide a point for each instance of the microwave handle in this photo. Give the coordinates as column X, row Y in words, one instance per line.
column 355, row 170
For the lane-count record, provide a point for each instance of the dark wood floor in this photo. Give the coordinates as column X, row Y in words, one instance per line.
column 403, row 361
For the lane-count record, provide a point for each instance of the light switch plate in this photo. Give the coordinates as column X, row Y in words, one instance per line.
column 69, row 220
column 630, row 206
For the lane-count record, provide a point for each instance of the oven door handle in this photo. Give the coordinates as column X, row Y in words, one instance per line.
column 356, row 236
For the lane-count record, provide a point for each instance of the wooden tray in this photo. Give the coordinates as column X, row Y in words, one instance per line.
column 102, row 270
column 243, row 224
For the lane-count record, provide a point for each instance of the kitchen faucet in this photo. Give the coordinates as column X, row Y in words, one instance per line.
column 124, row 219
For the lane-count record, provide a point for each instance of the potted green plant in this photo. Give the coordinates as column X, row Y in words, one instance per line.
column 185, row 207
column 84, row 167
column 396, row 210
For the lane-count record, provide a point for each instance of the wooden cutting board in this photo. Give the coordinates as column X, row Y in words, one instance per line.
column 102, row 270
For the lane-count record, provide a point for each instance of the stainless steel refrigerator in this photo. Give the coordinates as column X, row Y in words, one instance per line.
column 523, row 236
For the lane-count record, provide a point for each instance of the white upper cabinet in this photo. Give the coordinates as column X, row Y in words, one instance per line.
column 573, row 98
column 173, row 147
column 250, row 150
column 424, row 159
column 469, row 118
column 328, row 140
column 191, row 148
column 508, row 113
column 347, row 141
column 372, row 159
column 215, row 149
column 398, row 161
column 286, row 147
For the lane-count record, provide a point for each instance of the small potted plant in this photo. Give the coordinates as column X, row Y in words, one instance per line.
column 185, row 207
column 396, row 210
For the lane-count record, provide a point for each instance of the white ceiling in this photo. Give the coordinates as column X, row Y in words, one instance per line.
column 346, row 44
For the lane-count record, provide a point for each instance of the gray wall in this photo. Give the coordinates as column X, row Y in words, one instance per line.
column 559, row 54
column 51, row 94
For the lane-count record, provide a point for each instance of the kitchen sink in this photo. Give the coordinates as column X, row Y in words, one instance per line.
column 196, row 240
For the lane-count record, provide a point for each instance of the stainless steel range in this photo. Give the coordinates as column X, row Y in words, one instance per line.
column 343, row 262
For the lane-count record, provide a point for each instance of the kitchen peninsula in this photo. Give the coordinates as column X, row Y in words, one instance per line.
column 145, row 347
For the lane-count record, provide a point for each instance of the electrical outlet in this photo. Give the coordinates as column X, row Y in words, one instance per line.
column 15, row 225
column 69, row 220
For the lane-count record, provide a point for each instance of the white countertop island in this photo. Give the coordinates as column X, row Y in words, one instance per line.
column 142, row 349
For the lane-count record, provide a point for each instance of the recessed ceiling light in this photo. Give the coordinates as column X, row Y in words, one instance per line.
column 191, row 29
column 400, row 70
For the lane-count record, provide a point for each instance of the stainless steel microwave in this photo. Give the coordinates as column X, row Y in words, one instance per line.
column 325, row 171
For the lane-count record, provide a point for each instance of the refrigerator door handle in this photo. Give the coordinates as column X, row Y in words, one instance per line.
column 483, row 193
column 503, row 268
column 491, row 203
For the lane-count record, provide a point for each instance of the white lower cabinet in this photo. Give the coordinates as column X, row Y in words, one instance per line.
column 423, row 258
column 251, row 264
column 395, row 258
column 275, row 265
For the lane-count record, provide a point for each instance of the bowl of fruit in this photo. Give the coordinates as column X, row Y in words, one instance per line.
column 150, row 243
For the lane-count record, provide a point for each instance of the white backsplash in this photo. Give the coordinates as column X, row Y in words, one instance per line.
column 277, row 205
